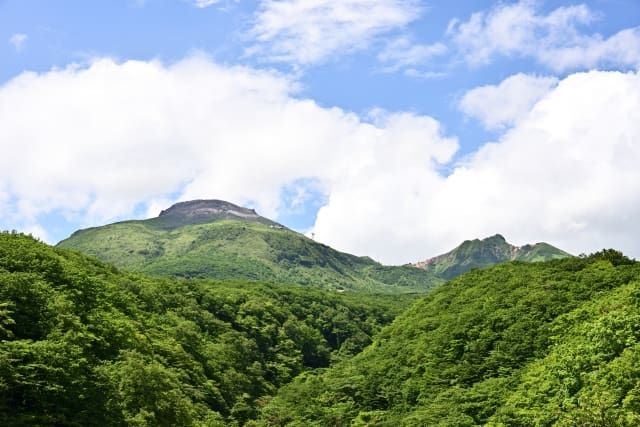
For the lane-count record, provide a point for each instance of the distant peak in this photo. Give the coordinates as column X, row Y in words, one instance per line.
column 198, row 208
column 496, row 237
column 488, row 251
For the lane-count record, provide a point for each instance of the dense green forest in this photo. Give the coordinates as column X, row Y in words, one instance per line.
column 82, row 343
column 544, row 344
column 519, row 344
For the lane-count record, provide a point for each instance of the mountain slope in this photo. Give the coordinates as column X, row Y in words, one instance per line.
column 484, row 253
column 84, row 344
column 216, row 239
column 519, row 344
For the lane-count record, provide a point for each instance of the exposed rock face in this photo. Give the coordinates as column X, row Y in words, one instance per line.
column 204, row 211
column 209, row 208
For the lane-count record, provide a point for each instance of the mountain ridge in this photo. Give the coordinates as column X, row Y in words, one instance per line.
column 480, row 253
column 212, row 238
column 220, row 240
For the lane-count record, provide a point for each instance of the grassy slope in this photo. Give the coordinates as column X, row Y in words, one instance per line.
column 85, row 344
column 542, row 252
column 243, row 250
column 554, row 343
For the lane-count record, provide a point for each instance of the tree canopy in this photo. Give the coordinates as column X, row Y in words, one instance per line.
column 82, row 343
column 555, row 343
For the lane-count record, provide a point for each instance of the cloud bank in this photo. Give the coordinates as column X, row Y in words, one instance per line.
column 566, row 173
column 97, row 143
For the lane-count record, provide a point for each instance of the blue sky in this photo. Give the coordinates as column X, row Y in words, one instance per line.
column 374, row 119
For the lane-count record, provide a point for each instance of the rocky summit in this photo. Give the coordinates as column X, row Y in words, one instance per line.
column 209, row 208
column 204, row 211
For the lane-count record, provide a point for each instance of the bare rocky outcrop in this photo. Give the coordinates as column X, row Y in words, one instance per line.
column 204, row 211
column 217, row 208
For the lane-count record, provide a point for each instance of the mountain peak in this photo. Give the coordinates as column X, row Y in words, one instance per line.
column 205, row 211
column 486, row 252
column 495, row 238
column 198, row 208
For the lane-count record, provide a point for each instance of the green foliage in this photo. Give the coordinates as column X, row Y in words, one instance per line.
column 234, row 249
column 519, row 344
column 545, row 344
column 614, row 257
column 84, row 344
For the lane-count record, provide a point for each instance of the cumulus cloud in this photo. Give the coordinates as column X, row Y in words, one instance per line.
column 567, row 173
column 18, row 41
column 37, row 231
column 303, row 32
column 498, row 106
column 557, row 40
column 101, row 142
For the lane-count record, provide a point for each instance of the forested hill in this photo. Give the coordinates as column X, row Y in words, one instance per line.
column 519, row 344
column 483, row 253
column 84, row 344
column 217, row 239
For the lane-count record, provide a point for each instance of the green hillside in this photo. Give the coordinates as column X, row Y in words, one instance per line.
column 215, row 239
column 485, row 253
column 519, row 344
column 84, row 344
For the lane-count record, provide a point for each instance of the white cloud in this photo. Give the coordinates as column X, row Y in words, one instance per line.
column 18, row 41
column 304, row 32
column 567, row 173
column 502, row 105
column 98, row 143
column 37, row 231
column 556, row 40
column 204, row 3
column 425, row 75
column 403, row 54
column 621, row 49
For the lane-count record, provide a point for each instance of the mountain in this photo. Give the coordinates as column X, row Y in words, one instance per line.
column 552, row 343
column 217, row 239
column 487, row 252
column 82, row 343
